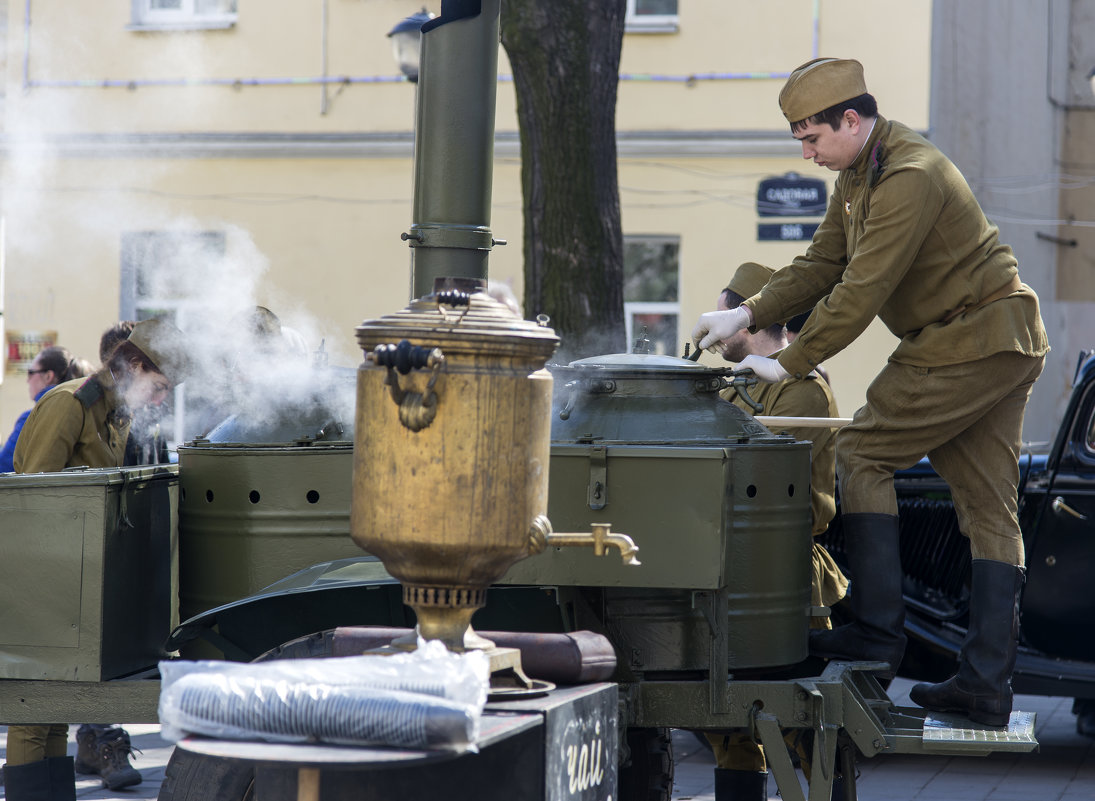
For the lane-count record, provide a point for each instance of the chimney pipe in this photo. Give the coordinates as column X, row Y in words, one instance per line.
column 454, row 144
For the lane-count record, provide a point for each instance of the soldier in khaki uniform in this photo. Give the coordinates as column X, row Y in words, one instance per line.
column 905, row 239
column 85, row 422
column 741, row 768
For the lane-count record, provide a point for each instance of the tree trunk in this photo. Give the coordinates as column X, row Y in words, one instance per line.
column 565, row 56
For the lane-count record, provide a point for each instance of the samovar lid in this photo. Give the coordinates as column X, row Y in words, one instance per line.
column 461, row 318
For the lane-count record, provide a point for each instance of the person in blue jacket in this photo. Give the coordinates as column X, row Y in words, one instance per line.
column 52, row 366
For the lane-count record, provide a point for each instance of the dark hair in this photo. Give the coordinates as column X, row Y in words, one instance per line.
column 62, row 363
column 79, row 368
column 733, row 299
column 794, row 325
column 125, row 356
column 865, row 106
column 119, row 332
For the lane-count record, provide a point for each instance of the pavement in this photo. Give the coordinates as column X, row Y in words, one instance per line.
column 1063, row 769
column 151, row 761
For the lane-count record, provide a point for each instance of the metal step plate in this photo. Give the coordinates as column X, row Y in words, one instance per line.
column 952, row 734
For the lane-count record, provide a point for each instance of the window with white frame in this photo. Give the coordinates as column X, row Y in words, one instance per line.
column 651, row 299
column 184, row 13
column 652, row 16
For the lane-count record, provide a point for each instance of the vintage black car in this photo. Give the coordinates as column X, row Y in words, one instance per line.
column 1057, row 513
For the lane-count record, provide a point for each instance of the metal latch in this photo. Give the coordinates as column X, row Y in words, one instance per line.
column 598, row 477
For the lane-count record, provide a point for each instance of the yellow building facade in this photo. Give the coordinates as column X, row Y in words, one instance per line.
column 195, row 156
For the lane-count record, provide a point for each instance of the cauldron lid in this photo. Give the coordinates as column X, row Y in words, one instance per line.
column 652, row 365
column 641, row 361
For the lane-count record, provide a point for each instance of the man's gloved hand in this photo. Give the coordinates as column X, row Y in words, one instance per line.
column 765, row 369
column 713, row 327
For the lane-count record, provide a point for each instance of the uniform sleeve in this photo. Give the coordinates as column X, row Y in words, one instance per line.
column 49, row 437
column 806, row 280
column 903, row 210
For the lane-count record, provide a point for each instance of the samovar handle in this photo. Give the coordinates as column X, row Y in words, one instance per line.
column 416, row 409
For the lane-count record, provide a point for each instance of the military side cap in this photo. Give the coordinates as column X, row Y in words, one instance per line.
column 819, row 84
column 749, row 279
column 165, row 345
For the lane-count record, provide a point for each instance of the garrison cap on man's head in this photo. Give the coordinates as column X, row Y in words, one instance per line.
column 819, row 84
column 749, row 279
column 165, row 345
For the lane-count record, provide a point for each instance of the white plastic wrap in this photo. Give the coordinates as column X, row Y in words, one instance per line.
column 428, row 698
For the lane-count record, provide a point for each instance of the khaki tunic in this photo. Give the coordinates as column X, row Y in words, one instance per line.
column 808, row 398
column 903, row 239
column 76, row 424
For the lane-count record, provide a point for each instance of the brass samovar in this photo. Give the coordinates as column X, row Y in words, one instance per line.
column 451, row 449
column 453, row 421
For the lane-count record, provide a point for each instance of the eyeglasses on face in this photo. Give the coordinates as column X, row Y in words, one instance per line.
column 35, row 372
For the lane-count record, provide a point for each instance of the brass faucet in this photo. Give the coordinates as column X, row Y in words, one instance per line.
column 541, row 536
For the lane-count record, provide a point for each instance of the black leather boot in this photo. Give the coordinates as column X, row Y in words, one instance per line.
column 87, row 748
column 741, row 785
column 114, row 748
column 62, row 779
column 876, row 633
column 29, row 782
column 982, row 687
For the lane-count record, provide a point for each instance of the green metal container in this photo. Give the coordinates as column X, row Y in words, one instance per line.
column 718, row 505
column 261, row 498
column 89, row 572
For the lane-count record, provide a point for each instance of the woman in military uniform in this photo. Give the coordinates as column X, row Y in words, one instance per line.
column 85, row 423
column 904, row 238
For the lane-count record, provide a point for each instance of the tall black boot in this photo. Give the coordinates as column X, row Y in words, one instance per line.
column 982, row 687
column 29, row 782
column 62, row 779
column 876, row 634
column 741, row 785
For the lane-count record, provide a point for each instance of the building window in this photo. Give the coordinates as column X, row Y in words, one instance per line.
column 163, row 274
column 183, row 13
column 651, row 300
column 652, row 16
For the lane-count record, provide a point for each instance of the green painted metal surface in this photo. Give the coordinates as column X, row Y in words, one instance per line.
column 89, row 574
column 250, row 515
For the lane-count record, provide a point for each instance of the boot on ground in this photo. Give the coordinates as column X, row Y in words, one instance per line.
column 29, row 782
column 876, row 633
column 741, row 785
column 981, row 689
column 62, row 779
column 87, row 748
column 113, row 748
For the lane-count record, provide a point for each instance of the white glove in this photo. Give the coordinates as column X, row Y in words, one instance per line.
column 765, row 369
column 713, row 327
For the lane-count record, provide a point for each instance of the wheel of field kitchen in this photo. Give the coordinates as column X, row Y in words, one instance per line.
column 647, row 774
column 196, row 777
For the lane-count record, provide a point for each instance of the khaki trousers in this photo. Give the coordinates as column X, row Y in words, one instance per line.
column 28, row 744
column 968, row 420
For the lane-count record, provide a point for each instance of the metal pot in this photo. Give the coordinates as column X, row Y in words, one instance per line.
column 639, row 398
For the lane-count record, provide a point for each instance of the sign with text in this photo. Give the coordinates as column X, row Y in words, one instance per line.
column 791, row 195
column 786, row 232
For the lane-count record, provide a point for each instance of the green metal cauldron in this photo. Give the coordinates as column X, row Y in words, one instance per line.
column 718, row 506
